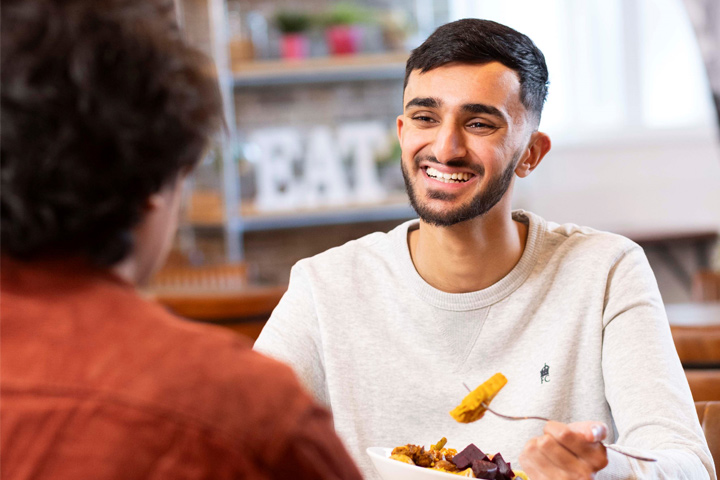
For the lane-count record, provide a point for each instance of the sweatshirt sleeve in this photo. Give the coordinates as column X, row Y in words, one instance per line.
column 645, row 385
column 292, row 336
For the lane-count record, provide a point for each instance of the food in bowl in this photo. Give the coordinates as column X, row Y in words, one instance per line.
column 470, row 462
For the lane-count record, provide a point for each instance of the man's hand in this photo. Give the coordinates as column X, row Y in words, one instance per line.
column 566, row 451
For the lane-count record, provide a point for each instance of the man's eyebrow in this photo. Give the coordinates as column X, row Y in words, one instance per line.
column 432, row 102
column 427, row 102
column 483, row 108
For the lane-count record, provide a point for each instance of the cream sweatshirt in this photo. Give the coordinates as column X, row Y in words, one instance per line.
column 578, row 328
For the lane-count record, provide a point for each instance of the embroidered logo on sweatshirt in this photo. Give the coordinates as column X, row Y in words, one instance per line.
column 545, row 374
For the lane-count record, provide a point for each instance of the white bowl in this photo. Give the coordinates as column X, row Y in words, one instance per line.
column 393, row 470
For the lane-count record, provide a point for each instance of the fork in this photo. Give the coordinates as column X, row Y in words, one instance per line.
column 610, row 447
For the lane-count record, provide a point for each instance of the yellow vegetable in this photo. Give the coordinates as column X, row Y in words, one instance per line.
column 402, row 458
column 438, row 446
column 520, row 474
column 471, row 409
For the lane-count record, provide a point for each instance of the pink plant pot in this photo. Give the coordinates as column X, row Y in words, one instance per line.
column 344, row 39
column 294, row 46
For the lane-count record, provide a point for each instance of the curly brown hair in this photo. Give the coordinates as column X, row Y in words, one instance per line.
column 102, row 103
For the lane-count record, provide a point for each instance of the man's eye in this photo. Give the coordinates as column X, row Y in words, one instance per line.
column 481, row 125
column 422, row 118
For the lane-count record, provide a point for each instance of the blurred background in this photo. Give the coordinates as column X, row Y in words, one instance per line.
column 310, row 160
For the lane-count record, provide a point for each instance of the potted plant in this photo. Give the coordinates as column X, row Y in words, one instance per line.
column 343, row 30
column 395, row 28
column 294, row 42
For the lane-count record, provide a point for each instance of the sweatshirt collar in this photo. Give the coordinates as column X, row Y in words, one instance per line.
column 480, row 298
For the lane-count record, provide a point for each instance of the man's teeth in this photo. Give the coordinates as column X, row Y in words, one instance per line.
column 448, row 177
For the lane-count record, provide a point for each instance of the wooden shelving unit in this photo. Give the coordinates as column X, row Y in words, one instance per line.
column 206, row 26
column 347, row 68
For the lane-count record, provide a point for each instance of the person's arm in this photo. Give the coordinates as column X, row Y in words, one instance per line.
column 646, row 389
column 313, row 451
column 292, row 437
column 292, row 336
column 645, row 384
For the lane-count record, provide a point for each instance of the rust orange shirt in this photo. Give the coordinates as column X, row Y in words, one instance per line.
column 99, row 383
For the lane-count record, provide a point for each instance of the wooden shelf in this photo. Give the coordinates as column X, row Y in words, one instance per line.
column 377, row 66
column 392, row 209
column 206, row 211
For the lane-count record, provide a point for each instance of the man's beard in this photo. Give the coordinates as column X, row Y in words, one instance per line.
column 480, row 204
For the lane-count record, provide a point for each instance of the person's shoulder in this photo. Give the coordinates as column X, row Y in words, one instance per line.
column 374, row 247
column 194, row 372
column 211, row 376
column 210, row 356
column 106, row 342
column 581, row 245
column 189, row 385
column 580, row 236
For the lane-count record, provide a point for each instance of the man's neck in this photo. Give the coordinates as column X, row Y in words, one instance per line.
column 127, row 270
column 469, row 256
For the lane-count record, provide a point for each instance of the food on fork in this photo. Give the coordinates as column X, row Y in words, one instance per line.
column 470, row 462
column 471, row 408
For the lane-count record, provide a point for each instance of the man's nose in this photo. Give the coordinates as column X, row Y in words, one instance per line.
column 449, row 143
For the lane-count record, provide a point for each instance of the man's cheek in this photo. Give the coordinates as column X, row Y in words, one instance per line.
column 413, row 145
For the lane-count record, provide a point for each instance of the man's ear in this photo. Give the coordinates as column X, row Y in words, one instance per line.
column 538, row 146
column 400, row 125
column 159, row 198
column 153, row 202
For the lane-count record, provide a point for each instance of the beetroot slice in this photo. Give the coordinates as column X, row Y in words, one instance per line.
column 484, row 469
column 465, row 458
column 503, row 467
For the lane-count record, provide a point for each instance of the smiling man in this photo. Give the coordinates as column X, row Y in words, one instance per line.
column 386, row 329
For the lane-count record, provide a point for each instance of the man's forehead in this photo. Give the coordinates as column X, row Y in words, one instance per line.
column 483, row 79
column 471, row 89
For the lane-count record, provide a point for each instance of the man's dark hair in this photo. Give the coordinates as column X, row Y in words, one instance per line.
column 478, row 41
column 102, row 104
